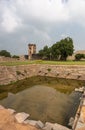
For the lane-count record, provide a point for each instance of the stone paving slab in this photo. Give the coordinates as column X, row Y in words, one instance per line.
column 21, row 117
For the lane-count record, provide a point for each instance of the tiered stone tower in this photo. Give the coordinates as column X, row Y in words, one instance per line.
column 31, row 50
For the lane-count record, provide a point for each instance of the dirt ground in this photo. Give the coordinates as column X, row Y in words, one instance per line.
column 8, row 122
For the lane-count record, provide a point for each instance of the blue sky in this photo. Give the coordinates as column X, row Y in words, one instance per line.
column 42, row 22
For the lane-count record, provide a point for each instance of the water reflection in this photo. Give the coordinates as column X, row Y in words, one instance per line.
column 43, row 103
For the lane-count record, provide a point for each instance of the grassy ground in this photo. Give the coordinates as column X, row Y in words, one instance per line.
column 13, row 63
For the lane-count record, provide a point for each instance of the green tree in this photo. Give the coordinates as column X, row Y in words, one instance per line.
column 15, row 56
column 62, row 49
column 79, row 56
column 66, row 48
column 5, row 53
column 58, row 51
column 55, row 52
column 45, row 52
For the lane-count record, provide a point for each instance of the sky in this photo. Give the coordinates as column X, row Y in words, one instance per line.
column 41, row 22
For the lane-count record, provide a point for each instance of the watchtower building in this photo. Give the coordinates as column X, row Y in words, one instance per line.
column 31, row 50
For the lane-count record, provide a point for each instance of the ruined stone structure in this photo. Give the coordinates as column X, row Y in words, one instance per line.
column 31, row 50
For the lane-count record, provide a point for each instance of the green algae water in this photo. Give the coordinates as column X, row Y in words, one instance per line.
column 44, row 98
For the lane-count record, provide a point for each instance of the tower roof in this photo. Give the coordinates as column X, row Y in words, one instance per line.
column 30, row 44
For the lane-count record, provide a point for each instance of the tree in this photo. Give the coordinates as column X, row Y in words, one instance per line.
column 62, row 49
column 55, row 52
column 58, row 51
column 5, row 53
column 45, row 52
column 66, row 48
column 79, row 56
column 15, row 56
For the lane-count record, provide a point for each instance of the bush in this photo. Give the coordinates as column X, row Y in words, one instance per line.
column 5, row 53
column 79, row 56
column 49, row 69
column 15, row 56
column 18, row 72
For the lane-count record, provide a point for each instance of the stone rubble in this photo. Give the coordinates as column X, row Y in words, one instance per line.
column 15, row 121
column 21, row 117
column 39, row 124
column 79, row 89
column 31, row 122
column 1, row 107
column 55, row 126
column 8, row 121
column 12, row 111
column 71, row 121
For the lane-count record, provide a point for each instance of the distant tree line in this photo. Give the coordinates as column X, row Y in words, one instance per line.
column 7, row 54
column 58, row 51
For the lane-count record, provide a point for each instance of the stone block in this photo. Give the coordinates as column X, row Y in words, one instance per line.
column 31, row 122
column 21, row 117
column 1, row 107
column 71, row 121
column 39, row 124
column 51, row 126
column 12, row 111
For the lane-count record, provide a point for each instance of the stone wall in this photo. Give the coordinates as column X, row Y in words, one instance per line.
column 10, row 74
column 8, row 59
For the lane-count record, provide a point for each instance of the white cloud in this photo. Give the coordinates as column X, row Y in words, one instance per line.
column 76, row 9
column 40, row 21
column 43, row 11
column 9, row 22
column 54, row 11
column 64, row 35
